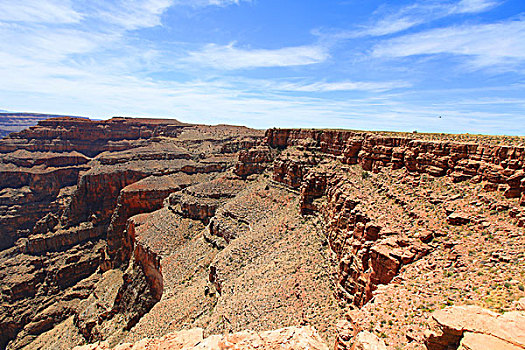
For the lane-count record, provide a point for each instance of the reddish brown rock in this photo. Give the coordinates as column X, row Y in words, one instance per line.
column 368, row 341
column 13, row 122
column 57, row 204
column 253, row 161
column 313, row 186
column 346, row 332
column 471, row 327
column 143, row 196
column 495, row 164
column 458, row 219
column 86, row 136
column 79, row 198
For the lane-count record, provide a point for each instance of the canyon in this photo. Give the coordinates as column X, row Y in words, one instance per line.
column 13, row 122
column 138, row 233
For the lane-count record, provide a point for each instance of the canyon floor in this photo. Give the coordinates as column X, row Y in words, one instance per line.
column 152, row 233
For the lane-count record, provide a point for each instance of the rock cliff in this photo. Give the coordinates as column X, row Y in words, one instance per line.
column 129, row 231
column 68, row 188
column 501, row 166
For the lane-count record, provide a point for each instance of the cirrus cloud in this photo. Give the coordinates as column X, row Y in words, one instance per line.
column 230, row 57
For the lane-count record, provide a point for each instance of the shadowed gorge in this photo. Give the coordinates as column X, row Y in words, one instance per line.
column 153, row 232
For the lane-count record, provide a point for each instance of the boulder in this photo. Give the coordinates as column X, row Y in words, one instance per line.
column 368, row 341
column 458, row 219
column 472, row 327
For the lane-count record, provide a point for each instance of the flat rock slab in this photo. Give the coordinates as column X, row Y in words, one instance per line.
column 471, row 325
column 291, row 338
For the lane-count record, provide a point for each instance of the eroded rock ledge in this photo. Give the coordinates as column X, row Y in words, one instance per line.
column 126, row 229
column 67, row 189
column 500, row 166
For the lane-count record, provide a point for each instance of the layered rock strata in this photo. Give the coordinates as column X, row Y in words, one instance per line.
column 68, row 188
column 13, row 122
column 124, row 229
column 500, row 166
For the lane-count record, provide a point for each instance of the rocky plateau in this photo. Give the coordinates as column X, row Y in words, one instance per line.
column 156, row 234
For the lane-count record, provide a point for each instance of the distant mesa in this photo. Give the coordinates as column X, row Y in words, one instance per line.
column 13, row 122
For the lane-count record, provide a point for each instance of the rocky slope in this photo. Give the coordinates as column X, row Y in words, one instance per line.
column 128, row 229
column 68, row 187
column 419, row 232
column 285, row 338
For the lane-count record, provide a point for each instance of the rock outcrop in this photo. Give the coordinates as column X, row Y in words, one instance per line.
column 366, row 256
column 474, row 328
column 500, row 166
column 114, row 231
column 292, row 338
column 253, row 161
column 13, row 122
column 68, row 187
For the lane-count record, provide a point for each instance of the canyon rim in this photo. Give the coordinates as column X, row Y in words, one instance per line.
column 156, row 234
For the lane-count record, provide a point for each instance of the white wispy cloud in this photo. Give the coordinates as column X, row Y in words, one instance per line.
column 36, row 43
column 419, row 13
column 147, row 13
column 229, row 57
column 484, row 44
column 71, row 89
column 41, row 11
column 129, row 15
column 473, row 6
column 340, row 86
column 199, row 3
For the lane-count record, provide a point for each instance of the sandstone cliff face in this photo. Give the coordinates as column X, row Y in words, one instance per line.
column 375, row 233
column 501, row 166
column 86, row 136
column 68, row 187
column 124, row 229
column 29, row 194
column 253, row 161
column 366, row 256
column 143, row 196
column 12, row 122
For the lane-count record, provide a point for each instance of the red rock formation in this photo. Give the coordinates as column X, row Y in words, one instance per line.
column 253, row 161
column 30, row 193
column 291, row 170
column 105, row 224
column 365, row 256
column 65, row 134
column 313, row 186
column 13, row 122
column 64, row 215
column 492, row 163
column 144, row 196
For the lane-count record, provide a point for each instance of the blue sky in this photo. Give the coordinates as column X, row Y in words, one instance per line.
column 435, row 66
